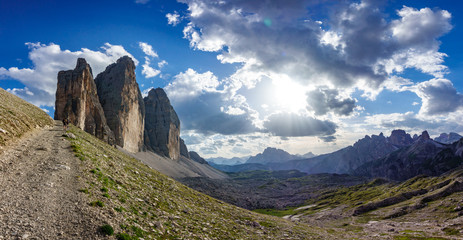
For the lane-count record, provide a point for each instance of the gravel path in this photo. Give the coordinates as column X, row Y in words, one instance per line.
column 39, row 197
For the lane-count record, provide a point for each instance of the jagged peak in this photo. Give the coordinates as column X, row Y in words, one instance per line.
column 125, row 60
column 82, row 64
column 425, row 135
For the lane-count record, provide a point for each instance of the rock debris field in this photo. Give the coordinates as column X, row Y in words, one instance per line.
column 39, row 190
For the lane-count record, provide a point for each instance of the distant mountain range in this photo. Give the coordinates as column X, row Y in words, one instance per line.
column 227, row 161
column 274, row 155
column 370, row 149
column 448, row 138
column 424, row 156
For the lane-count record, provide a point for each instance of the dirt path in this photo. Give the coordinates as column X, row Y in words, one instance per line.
column 39, row 197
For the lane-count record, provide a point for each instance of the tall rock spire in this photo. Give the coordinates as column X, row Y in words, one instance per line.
column 77, row 100
column 122, row 103
column 162, row 126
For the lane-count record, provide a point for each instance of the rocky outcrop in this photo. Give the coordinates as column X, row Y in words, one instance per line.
column 400, row 138
column 122, row 103
column 162, row 126
column 183, row 149
column 195, row 157
column 77, row 100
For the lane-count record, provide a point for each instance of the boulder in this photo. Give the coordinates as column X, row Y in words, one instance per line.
column 162, row 126
column 122, row 103
column 77, row 100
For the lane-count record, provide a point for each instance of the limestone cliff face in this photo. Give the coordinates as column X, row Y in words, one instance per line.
column 122, row 103
column 77, row 100
column 162, row 126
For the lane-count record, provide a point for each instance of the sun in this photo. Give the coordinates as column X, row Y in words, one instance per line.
column 289, row 95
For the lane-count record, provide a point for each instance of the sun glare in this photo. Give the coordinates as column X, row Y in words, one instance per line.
column 289, row 95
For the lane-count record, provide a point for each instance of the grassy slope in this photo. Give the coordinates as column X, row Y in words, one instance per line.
column 439, row 209
column 142, row 202
column 18, row 117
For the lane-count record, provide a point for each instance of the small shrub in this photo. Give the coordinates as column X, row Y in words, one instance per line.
column 451, row 231
column 84, row 190
column 106, row 195
column 107, row 230
column 97, row 203
column 119, row 209
column 123, row 236
column 103, row 189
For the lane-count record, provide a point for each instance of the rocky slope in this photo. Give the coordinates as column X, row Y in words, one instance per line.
column 195, row 157
column 142, row 203
column 122, row 103
column 18, row 118
column 425, row 157
column 77, row 100
column 420, row 208
column 162, row 126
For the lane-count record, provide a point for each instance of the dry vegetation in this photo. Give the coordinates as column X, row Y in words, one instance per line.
column 18, row 117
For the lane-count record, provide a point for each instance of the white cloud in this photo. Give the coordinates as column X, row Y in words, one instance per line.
column 438, row 96
column 420, row 27
column 48, row 60
column 357, row 48
column 148, row 71
column 190, row 84
column 147, row 49
column 294, row 125
column 162, row 63
column 173, row 18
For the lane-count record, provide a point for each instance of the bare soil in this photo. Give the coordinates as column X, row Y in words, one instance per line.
column 39, row 190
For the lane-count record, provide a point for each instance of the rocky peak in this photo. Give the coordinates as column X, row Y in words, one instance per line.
column 400, row 138
column 270, row 155
column 448, row 138
column 162, row 126
column 195, row 157
column 77, row 100
column 122, row 103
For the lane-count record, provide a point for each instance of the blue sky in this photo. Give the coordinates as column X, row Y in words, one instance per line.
column 299, row 75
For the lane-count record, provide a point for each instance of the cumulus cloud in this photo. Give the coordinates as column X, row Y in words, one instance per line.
column 408, row 120
column 207, row 110
column 438, row 96
column 323, row 100
column 294, row 125
column 358, row 47
column 148, row 71
column 190, row 84
column 173, row 18
column 147, row 49
column 48, row 60
column 420, row 27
